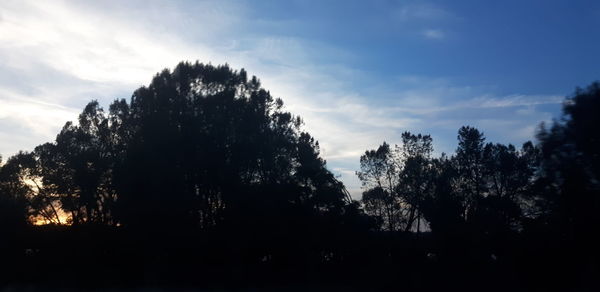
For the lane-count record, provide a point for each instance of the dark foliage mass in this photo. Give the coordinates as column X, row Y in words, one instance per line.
column 202, row 180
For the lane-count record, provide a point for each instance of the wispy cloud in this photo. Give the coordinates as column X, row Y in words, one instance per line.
column 418, row 17
column 421, row 11
column 434, row 34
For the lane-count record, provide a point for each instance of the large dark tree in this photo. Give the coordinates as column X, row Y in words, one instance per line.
column 204, row 144
column 201, row 148
column 567, row 191
column 204, row 158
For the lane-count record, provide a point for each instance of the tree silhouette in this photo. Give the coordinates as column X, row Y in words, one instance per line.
column 77, row 168
column 444, row 209
column 415, row 183
column 202, row 141
column 379, row 174
column 397, row 181
column 567, row 193
column 469, row 163
column 14, row 192
column 202, row 179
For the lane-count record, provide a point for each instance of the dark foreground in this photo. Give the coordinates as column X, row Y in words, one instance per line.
column 63, row 258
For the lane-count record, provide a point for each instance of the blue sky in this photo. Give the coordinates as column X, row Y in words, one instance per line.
column 358, row 72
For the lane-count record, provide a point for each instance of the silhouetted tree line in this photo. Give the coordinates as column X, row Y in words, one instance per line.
column 201, row 179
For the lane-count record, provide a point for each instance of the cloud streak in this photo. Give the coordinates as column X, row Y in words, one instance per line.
column 434, row 34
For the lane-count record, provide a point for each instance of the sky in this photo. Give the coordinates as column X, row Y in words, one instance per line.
column 357, row 72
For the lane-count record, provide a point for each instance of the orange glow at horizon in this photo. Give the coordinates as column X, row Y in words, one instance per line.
column 63, row 219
